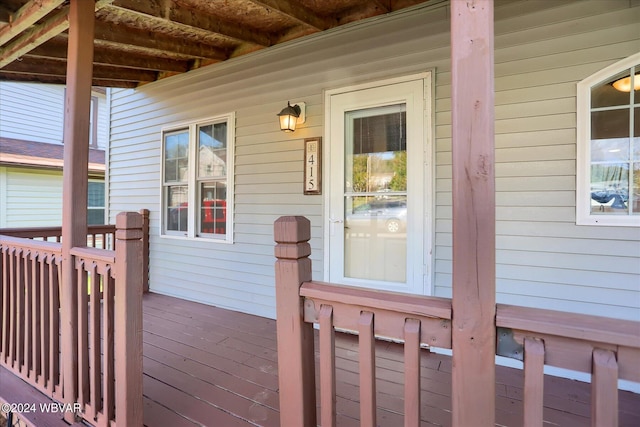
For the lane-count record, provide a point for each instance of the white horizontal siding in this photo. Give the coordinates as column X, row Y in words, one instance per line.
column 542, row 49
column 31, row 198
column 32, row 112
column 35, row 112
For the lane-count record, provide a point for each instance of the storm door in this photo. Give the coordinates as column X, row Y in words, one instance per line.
column 377, row 184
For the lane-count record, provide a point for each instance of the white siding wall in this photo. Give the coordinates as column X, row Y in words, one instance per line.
column 32, row 112
column 543, row 48
column 30, row 198
column 35, row 112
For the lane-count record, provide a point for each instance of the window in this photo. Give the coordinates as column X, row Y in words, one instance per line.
column 608, row 178
column 197, row 172
column 96, row 202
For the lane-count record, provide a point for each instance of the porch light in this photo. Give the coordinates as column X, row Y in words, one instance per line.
column 290, row 116
column 624, row 84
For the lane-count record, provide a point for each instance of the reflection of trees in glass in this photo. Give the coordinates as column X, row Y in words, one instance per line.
column 359, row 181
column 399, row 180
column 379, row 171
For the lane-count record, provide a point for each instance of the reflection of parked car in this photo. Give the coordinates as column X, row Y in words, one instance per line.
column 617, row 198
column 391, row 215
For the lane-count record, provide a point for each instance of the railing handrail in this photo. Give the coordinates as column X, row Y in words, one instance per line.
column 420, row 305
column 53, row 231
column 585, row 327
column 102, row 255
column 30, row 244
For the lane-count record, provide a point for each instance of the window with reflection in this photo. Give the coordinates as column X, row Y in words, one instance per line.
column 375, row 194
column 613, row 149
column 196, row 173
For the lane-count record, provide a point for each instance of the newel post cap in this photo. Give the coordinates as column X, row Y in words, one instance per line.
column 128, row 226
column 292, row 229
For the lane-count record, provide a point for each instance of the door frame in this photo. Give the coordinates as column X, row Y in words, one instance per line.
column 428, row 224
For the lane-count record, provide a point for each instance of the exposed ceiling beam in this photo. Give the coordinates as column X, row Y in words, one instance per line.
column 56, row 48
column 169, row 14
column 156, row 43
column 298, row 12
column 39, row 34
column 61, row 80
column 26, row 16
column 53, row 67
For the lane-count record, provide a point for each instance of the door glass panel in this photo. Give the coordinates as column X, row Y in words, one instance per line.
column 375, row 194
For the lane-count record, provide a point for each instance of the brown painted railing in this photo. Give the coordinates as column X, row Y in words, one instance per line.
column 30, row 310
column 607, row 348
column 106, row 324
column 98, row 236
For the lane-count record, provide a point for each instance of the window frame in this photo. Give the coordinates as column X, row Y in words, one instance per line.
column 193, row 181
column 583, row 152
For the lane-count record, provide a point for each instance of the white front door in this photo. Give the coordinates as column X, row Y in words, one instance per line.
column 377, row 206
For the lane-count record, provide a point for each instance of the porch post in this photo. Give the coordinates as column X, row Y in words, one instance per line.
column 473, row 317
column 75, row 178
column 296, row 361
column 128, row 318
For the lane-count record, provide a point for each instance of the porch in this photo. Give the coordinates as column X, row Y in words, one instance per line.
column 209, row 366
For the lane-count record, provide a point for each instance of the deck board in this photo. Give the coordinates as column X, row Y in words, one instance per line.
column 211, row 367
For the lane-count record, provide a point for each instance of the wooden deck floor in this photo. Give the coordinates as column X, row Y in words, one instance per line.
column 205, row 366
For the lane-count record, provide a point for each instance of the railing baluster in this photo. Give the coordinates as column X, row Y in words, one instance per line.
column 12, row 307
column 35, row 318
column 25, row 293
column 54, row 323
column 533, row 382
column 327, row 368
column 108, row 404
column 411, row 373
column 367, row 350
column 604, row 389
column 44, row 320
column 94, row 356
column 3, row 302
column 83, row 335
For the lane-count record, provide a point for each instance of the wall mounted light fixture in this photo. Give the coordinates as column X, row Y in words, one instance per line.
column 624, row 84
column 292, row 115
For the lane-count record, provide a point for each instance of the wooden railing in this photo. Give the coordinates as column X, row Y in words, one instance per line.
column 30, row 311
column 609, row 349
column 98, row 236
column 106, row 324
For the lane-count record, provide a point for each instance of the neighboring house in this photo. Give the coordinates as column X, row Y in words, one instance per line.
column 31, row 155
column 560, row 244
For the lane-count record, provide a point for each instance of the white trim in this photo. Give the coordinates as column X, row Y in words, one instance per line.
column 583, row 158
column 192, row 127
column 427, row 224
column 107, row 160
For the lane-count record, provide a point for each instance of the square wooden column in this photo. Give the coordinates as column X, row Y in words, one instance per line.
column 75, row 179
column 474, row 305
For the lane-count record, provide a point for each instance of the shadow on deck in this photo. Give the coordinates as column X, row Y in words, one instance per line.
column 207, row 366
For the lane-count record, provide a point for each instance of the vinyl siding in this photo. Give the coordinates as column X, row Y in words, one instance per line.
column 35, row 112
column 543, row 48
column 30, row 198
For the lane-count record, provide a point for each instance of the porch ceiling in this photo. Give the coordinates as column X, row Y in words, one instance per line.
column 141, row 41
